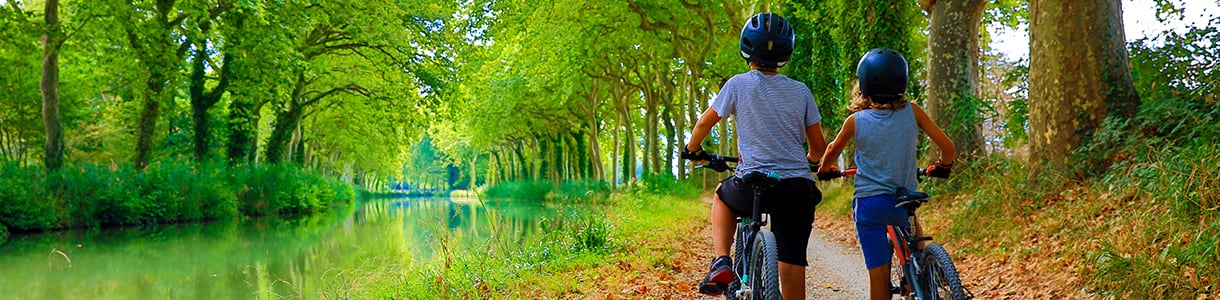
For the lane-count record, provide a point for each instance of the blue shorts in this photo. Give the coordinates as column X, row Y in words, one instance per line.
column 872, row 214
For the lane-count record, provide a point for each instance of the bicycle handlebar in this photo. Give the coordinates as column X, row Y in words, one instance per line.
column 718, row 163
column 921, row 172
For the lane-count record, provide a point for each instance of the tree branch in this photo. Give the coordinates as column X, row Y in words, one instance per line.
column 350, row 88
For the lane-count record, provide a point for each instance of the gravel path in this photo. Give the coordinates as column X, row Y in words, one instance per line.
column 836, row 269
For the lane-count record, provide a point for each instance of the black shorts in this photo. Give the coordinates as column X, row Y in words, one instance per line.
column 791, row 205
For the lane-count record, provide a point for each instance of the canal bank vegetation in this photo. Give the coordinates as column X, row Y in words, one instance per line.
column 632, row 243
column 168, row 191
column 176, row 111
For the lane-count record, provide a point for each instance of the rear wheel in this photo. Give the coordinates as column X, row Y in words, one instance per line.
column 940, row 274
column 764, row 267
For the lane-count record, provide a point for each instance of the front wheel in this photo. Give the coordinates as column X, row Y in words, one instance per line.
column 764, row 266
column 940, row 275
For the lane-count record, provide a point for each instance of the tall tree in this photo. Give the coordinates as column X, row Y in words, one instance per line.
column 1079, row 75
column 953, row 72
column 52, row 39
column 153, row 30
column 201, row 98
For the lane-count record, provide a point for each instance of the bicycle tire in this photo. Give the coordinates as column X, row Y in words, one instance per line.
column 764, row 264
column 941, row 274
column 740, row 250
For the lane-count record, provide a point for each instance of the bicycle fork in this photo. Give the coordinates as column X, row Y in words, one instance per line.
column 746, row 238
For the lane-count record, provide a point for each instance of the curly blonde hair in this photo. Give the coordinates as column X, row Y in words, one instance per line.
column 860, row 102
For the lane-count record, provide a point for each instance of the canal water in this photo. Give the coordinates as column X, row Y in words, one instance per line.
column 260, row 258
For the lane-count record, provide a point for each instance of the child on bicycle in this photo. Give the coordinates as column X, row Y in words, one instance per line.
column 885, row 127
column 775, row 116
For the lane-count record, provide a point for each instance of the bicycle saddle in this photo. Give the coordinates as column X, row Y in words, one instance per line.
column 910, row 200
column 760, row 179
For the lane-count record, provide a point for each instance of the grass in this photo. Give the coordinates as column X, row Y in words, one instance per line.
column 628, row 236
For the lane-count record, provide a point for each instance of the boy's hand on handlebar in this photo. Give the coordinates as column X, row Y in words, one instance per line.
column 697, row 155
column 939, row 170
column 828, row 172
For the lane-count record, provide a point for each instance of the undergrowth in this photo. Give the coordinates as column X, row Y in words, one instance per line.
column 1146, row 227
column 544, row 191
column 91, row 195
column 627, row 229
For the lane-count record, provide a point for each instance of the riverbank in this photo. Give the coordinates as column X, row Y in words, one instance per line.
column 91, row 196
column 623, row 244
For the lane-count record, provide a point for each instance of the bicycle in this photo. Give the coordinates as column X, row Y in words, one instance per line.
column 926, row 273
column 755, row 258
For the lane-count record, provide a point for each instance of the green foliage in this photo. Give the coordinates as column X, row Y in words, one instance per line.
column 666, row 184
column 23, row 206
column 168, row 192
column 583, row 190
column 526, row 190
column 833, row 35
column 542, row 191
column 572, row 249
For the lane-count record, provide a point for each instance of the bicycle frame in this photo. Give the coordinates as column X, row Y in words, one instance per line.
column 747, row 227
column 906, row 250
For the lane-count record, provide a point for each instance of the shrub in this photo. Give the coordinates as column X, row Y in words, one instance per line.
column 521, row 190
column 23, row 204
column 667, row 184
column 169, row 191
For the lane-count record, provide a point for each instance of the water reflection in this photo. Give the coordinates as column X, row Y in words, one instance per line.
column 263, row 258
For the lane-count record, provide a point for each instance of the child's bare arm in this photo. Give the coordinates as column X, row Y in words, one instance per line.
column 836, row 146
column 702, row 128
column 947, row 151
column 817, row 143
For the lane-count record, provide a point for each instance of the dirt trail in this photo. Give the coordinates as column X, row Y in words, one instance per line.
column 836, row 269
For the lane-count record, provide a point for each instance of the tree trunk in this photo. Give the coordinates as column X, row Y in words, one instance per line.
column 671, row 136
column 628, row 145
column 953, row 64
column 285, row 125
column 51, row 41
column 243, row 130
column 1079, row 75
column 148, row 119
column 202, row 100
column 614, row 158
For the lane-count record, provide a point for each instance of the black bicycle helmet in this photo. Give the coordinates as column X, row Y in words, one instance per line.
column 882, row 74
column 767, row 40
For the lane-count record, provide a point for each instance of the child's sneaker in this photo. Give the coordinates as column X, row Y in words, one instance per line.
column 719, row 275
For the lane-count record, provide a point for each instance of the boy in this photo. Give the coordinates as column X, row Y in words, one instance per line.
column 885, row 126
column 775, row 116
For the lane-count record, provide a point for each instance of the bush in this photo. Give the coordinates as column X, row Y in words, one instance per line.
column 583, row 190
column 24, row 205
column 168, row 191
column 521, row 190
column 667, row 184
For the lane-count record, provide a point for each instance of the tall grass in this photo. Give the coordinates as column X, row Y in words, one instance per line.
column 624, row 229
column 92, row 195
column 1144, row 227
column 542, row 191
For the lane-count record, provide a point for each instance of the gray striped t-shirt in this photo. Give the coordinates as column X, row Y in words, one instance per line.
column 772, row 112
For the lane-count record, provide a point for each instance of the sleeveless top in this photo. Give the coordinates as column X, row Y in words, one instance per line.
column 885, row 151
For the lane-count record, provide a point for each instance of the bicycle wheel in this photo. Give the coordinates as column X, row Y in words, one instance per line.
column 764, row 267
column 940, row 275
column 740, row 253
